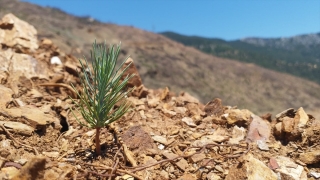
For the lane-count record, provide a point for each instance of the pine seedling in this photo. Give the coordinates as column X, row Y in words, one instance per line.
column 102, row 89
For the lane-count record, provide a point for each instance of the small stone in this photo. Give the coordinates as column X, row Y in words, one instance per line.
column 219, row 168
column 188, row 176
column 17, row 127
column 180, row 110
column 196, row 135
column 262, row 145
column 238, row 134
column 169, row 155
column 237, row 116
column 153, row 102
column 51, row 154
column 312, row 157
column 213, row 176
column 135, row 101
column 278, row 130
column 189, row 121
column 259, row 129
column 143, row 116
column 288, row 112
column 169, row 113
column 289, row 169
column 55, row 60
column 315, row 174
column 135, row 81
column 160, row 139
column 273, row 164
column 287, row 124
column 182, row 164
column 22, row 161
column 302, row 118
column 164, row 174
column 161, row 146
column 197, row 157
column 90, row 133
column 127, row 177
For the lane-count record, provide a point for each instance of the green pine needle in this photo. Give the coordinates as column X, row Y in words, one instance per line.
column 102, row 88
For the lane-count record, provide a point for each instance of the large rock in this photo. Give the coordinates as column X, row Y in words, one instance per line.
column 17, row 34
column 237, row 117
column 136, row 79
column 292, row 123
column 289, row 170
column 252, row 169
column 259, row 129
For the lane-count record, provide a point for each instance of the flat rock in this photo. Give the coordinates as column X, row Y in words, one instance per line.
column 160, row 139
column 189, row 121
column 197, row 157
column 169, row 155
column 288, row 112
column 36, row 117
column 182, row 164
column 17, row 127
column 259, row 129
column 252, row 169
column 288, row 169
column 53, row 154
column 218, row 135
column 312, row 157
column 188, row 176
column 137, row 139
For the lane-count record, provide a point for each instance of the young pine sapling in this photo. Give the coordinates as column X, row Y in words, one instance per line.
column 103, row 88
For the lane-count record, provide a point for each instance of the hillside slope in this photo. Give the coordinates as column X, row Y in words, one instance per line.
column 298, row 55
column 163, row 62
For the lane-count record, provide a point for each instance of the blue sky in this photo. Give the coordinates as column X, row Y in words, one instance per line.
column 226, row 19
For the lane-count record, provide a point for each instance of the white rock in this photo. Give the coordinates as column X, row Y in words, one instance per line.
column 160, row 139
column 55, row 60
column 189, row 121
column 290, row 169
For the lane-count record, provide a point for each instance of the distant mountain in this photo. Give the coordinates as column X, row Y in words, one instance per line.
column 163, row 62
column 298, row 55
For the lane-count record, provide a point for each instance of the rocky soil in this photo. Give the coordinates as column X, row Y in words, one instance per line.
column 165, row 136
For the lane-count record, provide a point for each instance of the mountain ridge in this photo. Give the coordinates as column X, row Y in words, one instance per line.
column 298, row 55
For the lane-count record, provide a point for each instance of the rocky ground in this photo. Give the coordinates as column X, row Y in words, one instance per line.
column 165, row 136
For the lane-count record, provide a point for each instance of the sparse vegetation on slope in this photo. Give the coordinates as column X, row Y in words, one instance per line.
column 284, row 55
